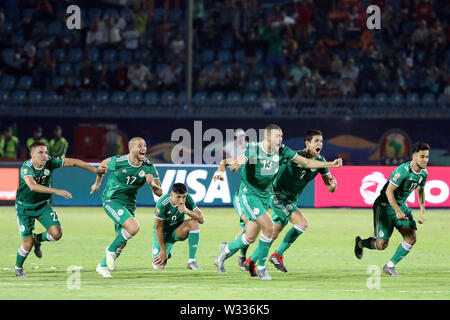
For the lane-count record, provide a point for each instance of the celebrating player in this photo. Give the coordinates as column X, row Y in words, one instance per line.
column 260, row 166
column 33, row 200
column 287, row 187
column 128, row 173
column 170, row 226
column 390, row 209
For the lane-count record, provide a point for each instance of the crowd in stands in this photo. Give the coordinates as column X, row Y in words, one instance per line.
column 301, row 49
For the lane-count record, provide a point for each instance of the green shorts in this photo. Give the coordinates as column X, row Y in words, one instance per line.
column 385, row 219
column 26, row 217
column 282, row 209
column 169, row 238
column 252, row 206
column 238, row 210
column 117, row 212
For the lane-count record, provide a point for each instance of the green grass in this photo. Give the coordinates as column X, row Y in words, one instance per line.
column 321, row 262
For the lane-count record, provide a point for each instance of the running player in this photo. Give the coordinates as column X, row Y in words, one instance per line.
column 128, row 173
column 287, row 187
column 260, row 166
column 33, row 200
column 170, row 226
column 391, row 210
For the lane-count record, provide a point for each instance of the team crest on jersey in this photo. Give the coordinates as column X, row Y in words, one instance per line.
column 276, row 158
column 22, row 228
column 46, row 172
column 256, row 211
column 381, row 233
column 396, row 176
column 141, row 173
column 120, row 212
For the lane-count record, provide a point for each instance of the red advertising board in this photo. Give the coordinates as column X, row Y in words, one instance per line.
column 359, row 187
column 9, row 182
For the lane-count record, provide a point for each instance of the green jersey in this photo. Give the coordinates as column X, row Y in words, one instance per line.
column 167, row 212
column 406, row 181
column 261, row 168
column 293, row 178
column 126, row 179
column 28, row 199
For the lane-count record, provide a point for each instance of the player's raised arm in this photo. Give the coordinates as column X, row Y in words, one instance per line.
column 103, row 167
column 393, row 202
column 316, row 164
column 330, row 182
column 155, row 184
column 35, row 187
column 233, row 163
column 71, row 162
column 421, row 197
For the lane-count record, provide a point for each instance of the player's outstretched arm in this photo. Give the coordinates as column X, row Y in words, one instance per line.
column 391, row 198
column 316, row 164
column 330, row 182
column 233, row 163
column 155, row 184
column 161, row 258
column 71, row 162
column 98, row 179
column 35, row 187
column 421, row 197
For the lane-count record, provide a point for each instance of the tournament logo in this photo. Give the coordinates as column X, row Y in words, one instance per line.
column 157, row 212
column 25, row 171
column 371, row 186
column 394, row 146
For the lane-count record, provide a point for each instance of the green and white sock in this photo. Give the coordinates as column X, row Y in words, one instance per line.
column 369, row 243
column 289, row 238
column 122, row 237
column 22, row 254
column 402, row 250
column 44, row 236
column 262, row 251
column 193, row 239
column 236, row 244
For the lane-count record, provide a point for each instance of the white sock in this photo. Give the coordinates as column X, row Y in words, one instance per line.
column 390, row 264
column 191, row 260
column 261, row 267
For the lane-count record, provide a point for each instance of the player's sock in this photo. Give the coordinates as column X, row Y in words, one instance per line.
column 121, row 239
column 289, row 238
column 402, row 250
column 193, row 239
column 103, row 263
column 44, row 236
column 236, row 244
column 262, row 251
column 369, row 243
column 22, row 254
column 243, row 250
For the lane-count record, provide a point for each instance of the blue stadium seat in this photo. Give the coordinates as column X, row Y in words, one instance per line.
column 17, row 40
column 55, row 28
column 249, row 97
column 381, row 99
column 28, row 12
column 224, row 55
column 142, row 54
column 158, row 13
column 4, row 95
column 135, row 97
column 151, row 98
column 200, row 97
column 208, row 56
column 75, row 55
column 365, row 99
column 93, row 54
column 57, row 82
column 110, row 13
column 7, row 26
column 102, row 97
column 271, row 84
column 65, row 69
column 35, row 96
column 284, row 85
column 7, row 54
column 175, row 14
column 234, row 97
column 428, row 99
column 160, row 67
column 59, row 54
column 19, row 96
column 50, row 97
column 412, row 98
column 397, row 99
column 8, row 82
column 227, row 42
column 182, row 97
column 125, row 55
column 86, row 96
column 108, row 55
column 118, row 97
column 217, row 97
column 239, row 55
column 125, row 15
column 94, row 13
column 168, row 97
column 24, row 83
column 254, row 85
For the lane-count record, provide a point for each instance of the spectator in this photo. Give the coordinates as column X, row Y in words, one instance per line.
column 350, row 71
column 120, row 76
column 209, row 34
column 304, row 18
column 14, row 63
column 268, row 103
column 96, row 36
column 328, row 89
column 216, row 77
column 67, row 90
column 383, row 77
column 169, row 77
column 103, row 78
column 87, row 76
column 140, row 20
column 290, row 47
column 202, row 80
column 113, row 32
column 430, row 74
column 177, row 45
column 424, row 10
column 299, row 71
column 29, row 58
column 44, row 11
column 321, row 56
column 46, row 68
column 420, row 35
column 336, row 66
column 58, row 145
column 163, row 35
column 235, row 79
column 251, row 46
column 347, row 88
column 9, row 145
column 139, row 76
column 131, row 37
column 354, row 24
column 272, row 35
column 37, row 136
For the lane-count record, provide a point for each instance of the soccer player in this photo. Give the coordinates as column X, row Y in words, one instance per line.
column 170, row 226
column 260, row 164
column 33, row 200
column 128, row 173
column 391, row 210
column 287, row 187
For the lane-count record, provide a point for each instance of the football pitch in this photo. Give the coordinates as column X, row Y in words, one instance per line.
column 321, row 263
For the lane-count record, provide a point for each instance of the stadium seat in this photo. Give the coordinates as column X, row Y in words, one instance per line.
column 428, row 99
column 93, row 54
column 200, row 97
column 7, row 54
column 17, row 40
column 55, row 28
column 35, row 96
column 57, row 82
column 151, row 98
column 94, row 13
column 234, row 98
column 59, row 54
column 207, row 56
column 175, row 14
column 110, row 13
column 227, row 42
column 86, row 96
column 397, row 99
column 412, row 98
column 125, row 56
column 381, row 99
column 158, row 13
column 142, row 54
column 168, row 97
column 254, row 85
column 118, row 97
column 224, row 56
column 65, row 69
column 8, row 82
column 239, row 55
column 271, row 83
column 28, row 12
column 19, row 96
column 365, row 99
column 217, row 98
column 50, row 97
column 75, row 55
column 125, row 15
column 24, row 83
column 135, row 98
column 160, row 67
column 108, row 55
column 4, row 95
column 182, row 97
column 102, row 97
